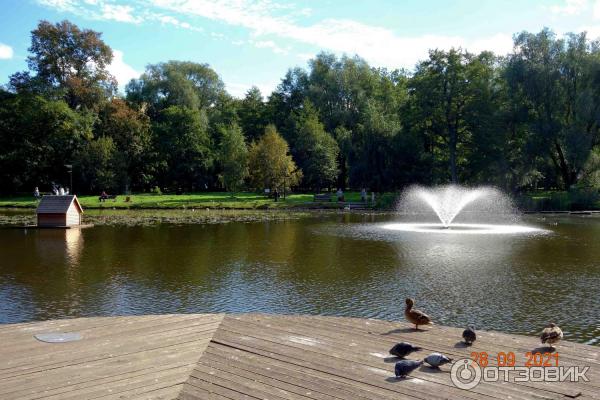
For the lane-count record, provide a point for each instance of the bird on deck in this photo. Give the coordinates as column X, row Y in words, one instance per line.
column 551, row 334
column 415, row 316
column 403, row 349
column 437, row 359
column 469, row 335
column 405, row 367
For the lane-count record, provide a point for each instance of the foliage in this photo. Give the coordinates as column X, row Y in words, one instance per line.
column 271, row 165
column 183, row 148
column 233, row 156
column 68, row 63
column 95, row 161
column 523, row 121
column 315, row 151
column 176, row 83
column 37, row 138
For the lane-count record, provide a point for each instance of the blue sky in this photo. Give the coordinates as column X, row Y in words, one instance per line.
column 254, row 42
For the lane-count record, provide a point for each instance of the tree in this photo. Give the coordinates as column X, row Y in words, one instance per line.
column 130, row 132
column 233, row 156
column 314, row 149
column 176, row 83
column 271, row 165
column 68, row 63
column 95, row 164
column 558, row 79
column 37, row 138
column 183, row 148
column 440, row 93
column 251, row 113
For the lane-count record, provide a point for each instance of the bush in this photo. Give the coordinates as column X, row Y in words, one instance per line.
column 156, row 190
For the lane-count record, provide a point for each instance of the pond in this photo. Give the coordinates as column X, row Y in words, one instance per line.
column 342, row 264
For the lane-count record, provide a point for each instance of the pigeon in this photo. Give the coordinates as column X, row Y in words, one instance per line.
column 437, row 359
column 551, row 334
column 469, row 335
column 405, row 367
column 403, row 349
column 415, row 316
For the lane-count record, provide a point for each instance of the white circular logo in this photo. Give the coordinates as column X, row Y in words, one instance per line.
column 465, row 374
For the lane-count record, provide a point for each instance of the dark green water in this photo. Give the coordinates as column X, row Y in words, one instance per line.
column 340, row 264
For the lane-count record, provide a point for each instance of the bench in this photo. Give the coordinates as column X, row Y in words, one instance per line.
column 108, row 197
column 322, row 197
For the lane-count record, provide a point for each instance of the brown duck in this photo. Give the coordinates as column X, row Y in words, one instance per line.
column 414, row 316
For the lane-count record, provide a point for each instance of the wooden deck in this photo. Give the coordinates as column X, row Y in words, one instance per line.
column 255, row 356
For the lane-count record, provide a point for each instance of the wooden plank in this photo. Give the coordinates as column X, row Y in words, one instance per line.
column 130, row 326
column 320, row 385
column 339, row 339
column 73, row 377
column 124, row 357
column 255, row 356
column 80, row 352
column 340, row 370
column 324, row 352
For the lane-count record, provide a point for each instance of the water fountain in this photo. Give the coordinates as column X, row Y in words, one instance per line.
column 456, row 209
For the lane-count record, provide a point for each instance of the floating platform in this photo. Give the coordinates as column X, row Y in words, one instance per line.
column 256, row 356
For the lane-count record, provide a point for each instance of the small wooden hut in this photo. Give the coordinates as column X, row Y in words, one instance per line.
column 59, row 211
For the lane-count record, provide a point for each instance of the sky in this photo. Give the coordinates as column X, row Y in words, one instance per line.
column 254, row 42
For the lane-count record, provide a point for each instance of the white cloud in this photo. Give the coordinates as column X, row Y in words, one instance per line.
column 269, row 44
column 379, row 46
column 119, row 13
column 122, row 71
column 271, row 23
column 596, row 10
column 6, row 52
column 60, row 5
column 570, row 7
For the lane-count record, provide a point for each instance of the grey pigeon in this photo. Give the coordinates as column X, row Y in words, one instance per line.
column 469, row 335
column 405, row 367
column 437, row 359
column 403, row 349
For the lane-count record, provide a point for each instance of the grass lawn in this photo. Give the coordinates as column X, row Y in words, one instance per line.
column 199, row 200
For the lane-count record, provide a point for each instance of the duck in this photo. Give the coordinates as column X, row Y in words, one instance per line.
column 469, row 335
column 437, row 359
column 403, row 349
column 551, row 334
column 414, row 316
column 405, row 367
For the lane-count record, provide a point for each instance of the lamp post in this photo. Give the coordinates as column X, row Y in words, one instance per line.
column 70, row 171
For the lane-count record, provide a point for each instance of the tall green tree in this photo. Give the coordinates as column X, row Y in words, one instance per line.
column 233, row 157
column 271, row 166
column 440, row 92
column 68, row 63
column 253, row 114
column 176, row 83
column 95, row 164
column 130, row 131
column 558, row 79
column 183, row 148
column 37, row 138
column 315, row 151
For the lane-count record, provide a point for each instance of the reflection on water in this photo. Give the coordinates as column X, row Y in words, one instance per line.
column 334, row 264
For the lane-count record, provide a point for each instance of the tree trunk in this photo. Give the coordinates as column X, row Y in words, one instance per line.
column 452, row 149
column 564, row 168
